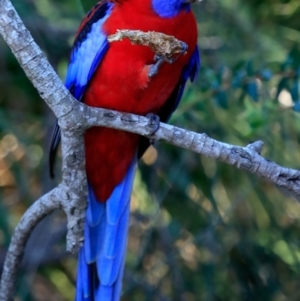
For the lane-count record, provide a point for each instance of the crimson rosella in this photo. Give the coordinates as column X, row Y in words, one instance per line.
column 126, row 78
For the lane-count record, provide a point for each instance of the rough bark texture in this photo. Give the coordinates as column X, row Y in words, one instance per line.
column 74, row 118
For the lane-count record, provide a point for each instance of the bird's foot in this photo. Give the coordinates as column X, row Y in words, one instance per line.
column 184, row 48
column 159, row 59
column 153, row 124
column 154, row 68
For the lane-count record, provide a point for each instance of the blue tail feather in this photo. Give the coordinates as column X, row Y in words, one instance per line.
column 79, row 282
column 80, row 287
column 115, row 208
column 109, row 267
column 115, row 238
column 95, row 209
column 94, row 239
column 104, row 293
column 118, row 286
column 110, row 242
column 101, row 259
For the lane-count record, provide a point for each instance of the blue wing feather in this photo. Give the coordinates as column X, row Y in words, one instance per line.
column 190, row 71
column 88, row 50
column 87, row 54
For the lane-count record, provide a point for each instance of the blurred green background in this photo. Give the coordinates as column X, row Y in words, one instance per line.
column 200, row 230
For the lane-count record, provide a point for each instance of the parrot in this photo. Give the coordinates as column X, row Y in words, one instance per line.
column 127, row 78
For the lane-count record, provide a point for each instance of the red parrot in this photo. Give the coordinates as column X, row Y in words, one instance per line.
column 127, row 78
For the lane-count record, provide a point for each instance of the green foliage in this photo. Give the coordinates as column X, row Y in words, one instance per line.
column 200, row 230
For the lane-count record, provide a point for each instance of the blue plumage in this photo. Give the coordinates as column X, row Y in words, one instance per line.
column 87, row 53
column 95, row 210
column 169, row 8
column 190, row 71
column 88, row 50
column 101, row 260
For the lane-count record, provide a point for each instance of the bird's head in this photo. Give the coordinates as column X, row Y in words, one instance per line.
column 171, row 8
column 163, row 8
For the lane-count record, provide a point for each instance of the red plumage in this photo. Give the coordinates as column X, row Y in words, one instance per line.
column 121, row 83
column 115, row 76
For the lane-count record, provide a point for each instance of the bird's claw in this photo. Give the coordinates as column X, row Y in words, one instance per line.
column 184, row 48
column 153, row 70
column 159, row 59
column 153, row 124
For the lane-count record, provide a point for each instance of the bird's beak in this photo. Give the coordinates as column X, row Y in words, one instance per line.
column 192, row 1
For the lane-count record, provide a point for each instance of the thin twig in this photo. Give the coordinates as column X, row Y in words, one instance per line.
column 42, row 207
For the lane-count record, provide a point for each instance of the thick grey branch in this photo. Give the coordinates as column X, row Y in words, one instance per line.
column 247, row 158
column 64, row 106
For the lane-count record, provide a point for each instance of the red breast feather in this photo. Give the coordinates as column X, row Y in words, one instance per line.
column 121, row 83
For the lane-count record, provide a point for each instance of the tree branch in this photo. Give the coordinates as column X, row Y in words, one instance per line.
column 42, row 207
column 66, row 109
column 246, row 158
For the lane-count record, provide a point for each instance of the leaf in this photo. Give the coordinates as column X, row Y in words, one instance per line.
column 251, row 88
column 221, row 99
